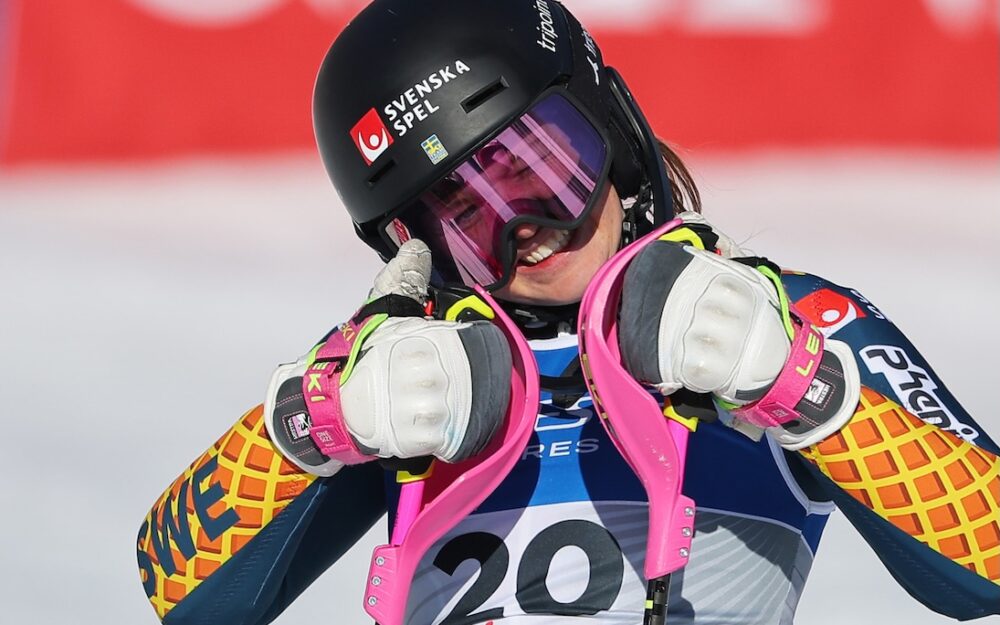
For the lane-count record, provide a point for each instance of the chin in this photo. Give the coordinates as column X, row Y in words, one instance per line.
column 558, row 293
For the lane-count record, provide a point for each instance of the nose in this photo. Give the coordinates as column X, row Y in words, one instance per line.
column 523, row 232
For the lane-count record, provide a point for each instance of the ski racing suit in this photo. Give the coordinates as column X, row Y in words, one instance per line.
column 242, row 532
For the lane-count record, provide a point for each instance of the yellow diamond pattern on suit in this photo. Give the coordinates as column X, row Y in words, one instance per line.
column 934, row 486
column 257, row 483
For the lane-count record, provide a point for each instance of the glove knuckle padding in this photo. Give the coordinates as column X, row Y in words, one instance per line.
column 717, row 330
column 717, row 327
column 407, row 388
column 424, row 387
column 420, row 394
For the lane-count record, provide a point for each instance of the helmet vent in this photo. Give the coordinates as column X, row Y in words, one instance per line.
column 480, row 97
column 380, row 173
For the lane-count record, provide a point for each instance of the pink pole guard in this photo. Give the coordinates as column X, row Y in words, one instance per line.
column 653, row 445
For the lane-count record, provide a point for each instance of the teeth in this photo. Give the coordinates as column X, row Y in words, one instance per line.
column 553, row 244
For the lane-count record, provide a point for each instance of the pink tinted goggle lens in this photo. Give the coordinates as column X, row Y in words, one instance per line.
column 544, row 168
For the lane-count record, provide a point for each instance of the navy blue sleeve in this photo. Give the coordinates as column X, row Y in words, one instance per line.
column 278, row 564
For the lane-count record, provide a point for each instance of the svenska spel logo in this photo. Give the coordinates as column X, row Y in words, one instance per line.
column 829, row 310
column 371, row 136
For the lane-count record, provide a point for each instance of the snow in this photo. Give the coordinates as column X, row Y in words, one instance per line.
column 144, row 308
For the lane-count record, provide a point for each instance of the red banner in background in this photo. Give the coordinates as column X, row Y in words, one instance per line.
column 126, row 79
column 7, row 46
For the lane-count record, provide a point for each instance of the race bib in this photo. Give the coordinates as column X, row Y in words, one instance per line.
column 569, row 559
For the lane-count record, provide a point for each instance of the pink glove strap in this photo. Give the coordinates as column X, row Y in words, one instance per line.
column 321, row 389
column 777, row 407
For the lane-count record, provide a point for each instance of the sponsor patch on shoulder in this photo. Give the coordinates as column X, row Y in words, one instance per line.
column 829, row 310
column 915, row 388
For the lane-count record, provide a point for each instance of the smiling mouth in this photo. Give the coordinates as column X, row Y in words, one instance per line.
column 555, row 242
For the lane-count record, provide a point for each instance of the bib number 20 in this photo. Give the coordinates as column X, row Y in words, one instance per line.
column 533, row 596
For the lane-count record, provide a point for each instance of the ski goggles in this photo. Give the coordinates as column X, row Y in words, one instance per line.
column 545, row 168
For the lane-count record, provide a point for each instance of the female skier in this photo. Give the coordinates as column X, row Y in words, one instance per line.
column 484, row 142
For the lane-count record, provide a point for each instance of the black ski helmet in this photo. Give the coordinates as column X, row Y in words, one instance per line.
column 457, row 72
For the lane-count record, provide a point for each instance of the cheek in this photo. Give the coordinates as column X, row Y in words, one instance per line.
column 609, row 230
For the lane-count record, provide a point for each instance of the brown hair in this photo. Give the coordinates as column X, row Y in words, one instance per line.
column 684, row 190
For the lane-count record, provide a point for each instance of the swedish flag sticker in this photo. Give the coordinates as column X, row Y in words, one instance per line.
column 434, row 150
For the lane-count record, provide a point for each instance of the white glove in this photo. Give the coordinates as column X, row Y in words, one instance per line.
column 421, row 387
column 718, row 329
column 695, row 320
column 411, row 394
